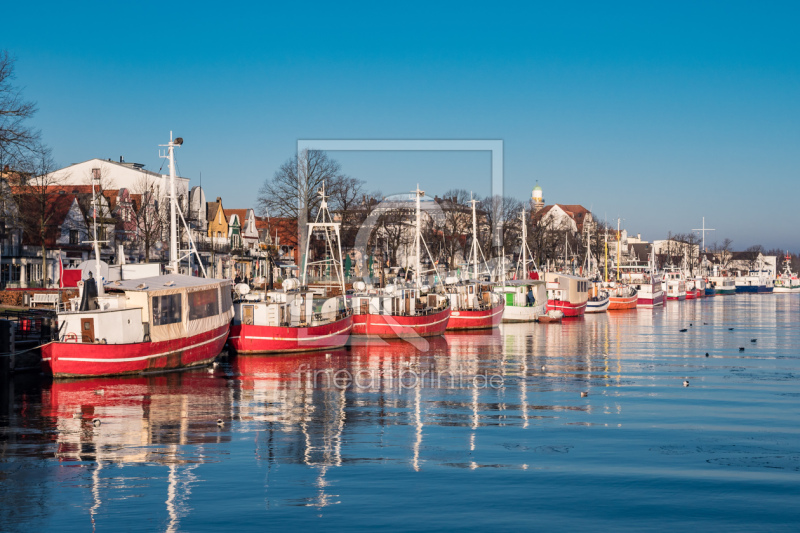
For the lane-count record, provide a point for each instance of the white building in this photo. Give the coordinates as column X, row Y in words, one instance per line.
column 118, row 175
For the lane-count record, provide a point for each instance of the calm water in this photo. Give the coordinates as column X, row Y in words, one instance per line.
column 468, row 432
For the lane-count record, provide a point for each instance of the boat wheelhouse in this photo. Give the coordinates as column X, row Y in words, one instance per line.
column 787, row 282
column 723, row 283
column 141, row 325
column 567, row 293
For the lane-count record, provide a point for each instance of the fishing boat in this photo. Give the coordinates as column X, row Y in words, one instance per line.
column 622, row 297
column 787, row 282
column 700, row 286
column 295, row 318
column 648, row 285
column 722, row 282
column 598, row 301
column 398, row 310
column 149, row 324
column 709, row 288
column 567, row 293
column 525, row 299
column 675, row 284
column 515, row 295
column 472, row 304
column 691, row 289
column 757, row 280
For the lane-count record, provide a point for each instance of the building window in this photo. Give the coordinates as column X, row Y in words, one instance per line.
column 74, row 236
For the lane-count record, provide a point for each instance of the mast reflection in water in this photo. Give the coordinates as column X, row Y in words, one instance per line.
column 486, row 425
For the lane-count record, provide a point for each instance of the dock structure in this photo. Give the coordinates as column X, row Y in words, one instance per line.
column 22, row 332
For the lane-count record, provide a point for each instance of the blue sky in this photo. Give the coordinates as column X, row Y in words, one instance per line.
column 659, row 113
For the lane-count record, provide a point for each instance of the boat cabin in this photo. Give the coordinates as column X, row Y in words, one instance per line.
column 287, row 308
column 567, row 288
column 160, row 308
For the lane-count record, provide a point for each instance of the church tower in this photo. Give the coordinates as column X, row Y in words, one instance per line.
column 537, row 201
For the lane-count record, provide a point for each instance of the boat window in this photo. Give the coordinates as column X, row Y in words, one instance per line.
column 203, row 304
column 166, row 309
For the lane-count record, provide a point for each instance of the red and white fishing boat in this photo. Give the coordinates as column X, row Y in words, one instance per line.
column 399, row 311
column 288, row 320
column 567, row 293
column 622, row 297
column 648, row 289
column 141, row 325
column 472, row 304
column 295, row 319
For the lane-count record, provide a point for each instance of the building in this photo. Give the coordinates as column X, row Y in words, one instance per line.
column 561, row 217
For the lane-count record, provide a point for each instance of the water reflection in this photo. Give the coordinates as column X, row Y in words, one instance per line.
column 307, row 429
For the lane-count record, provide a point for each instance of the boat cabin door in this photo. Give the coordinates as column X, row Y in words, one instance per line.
column 87, row 330
column 247, row 315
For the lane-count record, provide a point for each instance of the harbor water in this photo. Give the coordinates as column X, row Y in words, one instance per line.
column 587, row 424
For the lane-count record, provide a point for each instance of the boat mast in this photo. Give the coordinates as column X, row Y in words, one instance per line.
column 417, row 267
column 473, row 201
column 606, row 267
column 173, row 209
column 99, row 280
column 619, row 249
column 524, row 245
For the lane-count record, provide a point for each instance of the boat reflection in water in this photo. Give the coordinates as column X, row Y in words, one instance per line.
column 169, row 419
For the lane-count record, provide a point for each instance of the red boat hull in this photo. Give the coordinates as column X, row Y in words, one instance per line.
column 651, row 302
column 569, row 309
column 619, row 303
column 68, row 359
column 398, row 327
column 278, row 339
column 488, row 318
column 691, row 295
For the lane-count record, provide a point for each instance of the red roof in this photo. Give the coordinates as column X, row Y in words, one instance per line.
column 57, row 207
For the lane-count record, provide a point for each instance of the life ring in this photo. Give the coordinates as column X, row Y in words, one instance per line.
column 71, row 337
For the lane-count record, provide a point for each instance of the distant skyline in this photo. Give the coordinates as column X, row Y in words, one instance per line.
column 659, row 114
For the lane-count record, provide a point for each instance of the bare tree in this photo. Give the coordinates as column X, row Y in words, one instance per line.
column 150, row 218
column 501, row 215
column 347, row 199
column 752, row 255
column 16, row 137
column 293, row 190
column 455, row 224
column 723, row 252
column 393, row 229
column 35, row 199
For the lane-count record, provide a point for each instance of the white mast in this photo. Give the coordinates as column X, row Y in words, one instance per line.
column 99, row 280
column 417, row 266
column 173, row 209
column 474, row 237
column 524, row 245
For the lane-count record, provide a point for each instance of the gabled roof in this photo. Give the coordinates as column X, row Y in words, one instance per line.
column 576, row 212
column 58, row 205
column 241, row 213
